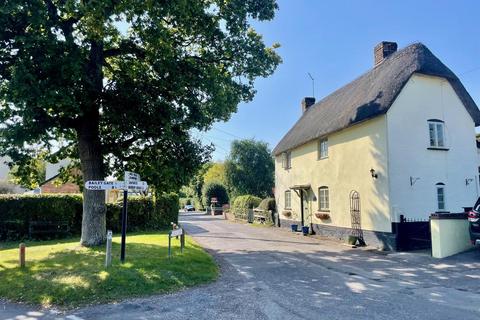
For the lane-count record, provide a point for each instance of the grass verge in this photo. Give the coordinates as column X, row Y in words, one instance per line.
column 64, row 274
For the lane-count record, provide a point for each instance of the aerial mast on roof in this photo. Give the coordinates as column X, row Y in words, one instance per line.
column 313, row 84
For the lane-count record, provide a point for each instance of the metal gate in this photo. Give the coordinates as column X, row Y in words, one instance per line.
column 412, row 234
column 356, row 216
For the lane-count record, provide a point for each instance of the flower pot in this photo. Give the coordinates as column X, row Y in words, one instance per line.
column 305, row 230
column 352, row 240
column 322, row 215
column 294, row 227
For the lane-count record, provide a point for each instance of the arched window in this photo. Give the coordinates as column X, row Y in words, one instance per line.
column 323, row 199
column 441, row 205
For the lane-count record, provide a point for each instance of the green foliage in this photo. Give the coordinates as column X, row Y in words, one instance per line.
column 30, row 174
column 250, row 168
column 216, row 173
column 217, row 190
column 62, row 274
column 268, row 204
column 17, row 211
column 243, row 204
column 246, row 202
column 115, row 99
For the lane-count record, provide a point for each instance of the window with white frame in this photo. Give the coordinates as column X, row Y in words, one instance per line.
column 288, row 199
column 287, row 160
column 323, row 199
column 441, row 196
column 323, row 148
column 436, row 130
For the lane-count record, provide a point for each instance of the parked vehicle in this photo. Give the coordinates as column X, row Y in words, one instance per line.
column 474, row 220
column 189, row 207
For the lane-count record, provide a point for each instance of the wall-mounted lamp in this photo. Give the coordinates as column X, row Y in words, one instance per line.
column 374, row 175
column 413, row 180
column 468, row 181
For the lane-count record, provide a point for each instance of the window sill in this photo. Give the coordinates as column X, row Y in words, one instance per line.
column 442, row 211
column 438, row 148
column 322, row 158
column 323, row 210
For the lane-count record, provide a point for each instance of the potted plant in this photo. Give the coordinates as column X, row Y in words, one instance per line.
column 305, row 230
column 287, row 213
column 294, row 227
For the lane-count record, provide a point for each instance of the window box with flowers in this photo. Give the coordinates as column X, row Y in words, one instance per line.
column 322, row 215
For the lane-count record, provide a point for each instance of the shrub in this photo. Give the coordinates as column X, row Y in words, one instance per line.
column 246, row 202
column 242, row 204
column 17, row 211
column 217, row 190
column 268, row 204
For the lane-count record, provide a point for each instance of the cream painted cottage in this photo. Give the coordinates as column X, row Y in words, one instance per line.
column 398, row 140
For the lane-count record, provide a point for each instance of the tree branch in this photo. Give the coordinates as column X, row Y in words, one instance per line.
column 125, row 47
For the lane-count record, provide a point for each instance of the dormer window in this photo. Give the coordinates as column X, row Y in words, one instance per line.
column 287, row 160
column 436, row 129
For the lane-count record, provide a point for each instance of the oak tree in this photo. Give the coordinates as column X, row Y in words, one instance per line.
column 122, row 83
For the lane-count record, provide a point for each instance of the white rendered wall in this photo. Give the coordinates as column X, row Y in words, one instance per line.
column 424, row 98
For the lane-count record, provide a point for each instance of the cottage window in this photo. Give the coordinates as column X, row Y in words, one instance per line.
column 286, row 160
column 323, row 149
column 288, row 199
column 436, row 129
column 323, row 199
column 440, row 196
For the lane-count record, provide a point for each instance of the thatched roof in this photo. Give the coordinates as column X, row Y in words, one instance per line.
column 371, row 95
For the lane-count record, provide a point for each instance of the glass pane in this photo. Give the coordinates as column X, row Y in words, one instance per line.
column 441, row 198
column 440, row 135
column 431, row 128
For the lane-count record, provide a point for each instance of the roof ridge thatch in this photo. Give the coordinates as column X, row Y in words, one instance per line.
column 370, row 95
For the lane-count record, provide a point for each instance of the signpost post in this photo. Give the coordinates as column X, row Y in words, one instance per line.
column 175, row 233
column 131, row 182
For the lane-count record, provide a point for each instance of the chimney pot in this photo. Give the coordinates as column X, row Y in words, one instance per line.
column 383, row 50
column 307, row 102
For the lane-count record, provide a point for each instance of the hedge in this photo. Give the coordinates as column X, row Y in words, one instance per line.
column 242, row 204
column 217, row 190
column 268, row 204
column 17, row 211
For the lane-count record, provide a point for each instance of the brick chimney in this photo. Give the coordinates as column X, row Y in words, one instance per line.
column 383, row 50
column 307, row 102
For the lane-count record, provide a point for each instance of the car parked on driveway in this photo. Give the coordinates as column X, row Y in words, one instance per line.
column 474, row 221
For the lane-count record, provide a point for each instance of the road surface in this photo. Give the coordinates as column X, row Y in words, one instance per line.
column 269, row 273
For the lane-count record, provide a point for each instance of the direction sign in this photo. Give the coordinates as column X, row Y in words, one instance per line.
column 104, row 185
column 131, row 176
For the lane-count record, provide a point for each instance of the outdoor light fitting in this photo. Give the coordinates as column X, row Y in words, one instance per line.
column 468, row 181
column 374, row 175
column 413, row 180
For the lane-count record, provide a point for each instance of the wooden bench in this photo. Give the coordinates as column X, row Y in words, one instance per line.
column 48, row 227
column 260, row 217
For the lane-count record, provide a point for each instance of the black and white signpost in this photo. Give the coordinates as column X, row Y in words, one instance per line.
column 131, row 182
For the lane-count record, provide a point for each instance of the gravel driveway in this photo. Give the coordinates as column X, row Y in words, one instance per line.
column 270, row 273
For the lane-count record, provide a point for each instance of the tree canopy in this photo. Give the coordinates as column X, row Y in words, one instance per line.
column 250, row 169
column 123, row 82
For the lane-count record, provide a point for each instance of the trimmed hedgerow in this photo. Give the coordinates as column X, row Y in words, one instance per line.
column 243, row 204
column 18, row 211
column 217, row 190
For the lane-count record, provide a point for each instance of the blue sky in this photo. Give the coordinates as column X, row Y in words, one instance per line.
column 334, row 40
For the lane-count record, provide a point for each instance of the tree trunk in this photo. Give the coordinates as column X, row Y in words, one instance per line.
column 94, row 210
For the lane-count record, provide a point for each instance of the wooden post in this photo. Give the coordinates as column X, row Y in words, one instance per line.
column 108, row 252
column 22, row 255
column 169, row 243
column 182, row 240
